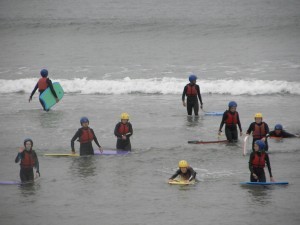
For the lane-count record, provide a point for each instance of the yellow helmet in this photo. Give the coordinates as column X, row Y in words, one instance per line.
column 258, row 115
column 183, row 164
column 124, row 116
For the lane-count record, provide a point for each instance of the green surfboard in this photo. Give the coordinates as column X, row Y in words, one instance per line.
column 47, row 97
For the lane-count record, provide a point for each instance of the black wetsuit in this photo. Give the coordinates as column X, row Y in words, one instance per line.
column 49, row 83
column 85, row 148
column 259, row 171
column 230, row 129
column 26, row 172
column 192, row 101
column 283, row 134
column 123, row 144
column 251, row 129
column 189, row 175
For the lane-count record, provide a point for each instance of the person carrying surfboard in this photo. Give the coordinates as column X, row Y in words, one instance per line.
column 123, row 131
column 257, row 161
column 186, row 172
column 85, row 136
column 28, row 160
column 192, row 91
column 279, row 132
column 43, row 83
column 259, row 130
column 231, row 119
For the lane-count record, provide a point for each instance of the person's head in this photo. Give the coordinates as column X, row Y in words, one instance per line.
column 124, row 117
column 232, row 106
column 28, row 143
column 192, row 78
column 84, row 121
column 278, row 129
column 183, row 165
column 258, row 118
column 44, row 73
column 259, row 145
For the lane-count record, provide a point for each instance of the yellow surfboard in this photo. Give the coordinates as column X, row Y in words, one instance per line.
column 181, row 182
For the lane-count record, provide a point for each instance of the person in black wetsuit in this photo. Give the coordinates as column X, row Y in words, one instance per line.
column 123, row 131
column 28, row 160
column 192, row 91
column 43, row 83
column 257, row 161
column 85, row 136
column 231, row 119
column 278, row 132
column 259, row 130
column 185, row 172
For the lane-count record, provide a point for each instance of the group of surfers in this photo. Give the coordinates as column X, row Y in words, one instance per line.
column 123, row 130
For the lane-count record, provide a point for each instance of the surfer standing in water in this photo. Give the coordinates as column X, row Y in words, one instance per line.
column 192, row 91
column 43, row 83
column 257, row 161
column 85, row 136
column 28, row 160
column 185, row 172
column 123, row 131
column 231, row 119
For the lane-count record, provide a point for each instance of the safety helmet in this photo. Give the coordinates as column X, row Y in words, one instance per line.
column 260, row 144
column 258, row 115
column 28, row 139
column 84, row 120
column 124, row 116
column 44, row 73
column 192, row 78
column 183, row 164
column 232, row 104
column 278, row 127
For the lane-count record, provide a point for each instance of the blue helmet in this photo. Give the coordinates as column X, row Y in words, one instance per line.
column 192, row 78
column 260, row 144
column 28, row 139
column 278, row 127
column 84, row 120
column 44, row 73
column 232, row 104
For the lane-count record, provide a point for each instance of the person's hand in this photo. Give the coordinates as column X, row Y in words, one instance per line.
column 219, row 133
column 124, row 137
column 73, row 152
column 101, row 149
column 30, row 98
column 255, row 176
column 241, row 133
column 201, row 106
column 38, row 172
column 57, row 100
column 263, row 139
column 183, row 103
column 272, row 179
column 21, row 149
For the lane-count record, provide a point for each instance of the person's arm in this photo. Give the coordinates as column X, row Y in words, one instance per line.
column 77, row 135
column 49, row 82
column 250, row 162
column 193, row 174
column 184, row 93
column 250, row 129
column 95, row 139
column 117, row 134
column 239, row 122
column 175, row 175
column 269, row 166
column 267, row 128
column 199, row 94
column 224, row 118
column 130, row 130
column 19, row 157
column 287, row 135
column 33, row 91
column 37, row 165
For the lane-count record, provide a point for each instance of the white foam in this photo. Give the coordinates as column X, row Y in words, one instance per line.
column 164, row 85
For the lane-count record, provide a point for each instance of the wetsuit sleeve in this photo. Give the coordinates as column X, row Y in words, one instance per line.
column 19, row 157
column 268, row 164
column 184, row 93
column 239, row 122
column 175, row 174
column 37, row 165
column 95, row 139
column 193, row 174
column 77, row 135
column 250, row 162
column 130, row 130
column 49, row 82
column 199, row 94
column 116, row 130
column 250, row 129
column 287, row 135
column 34, row 90
column 267, row 128
column 224, row 118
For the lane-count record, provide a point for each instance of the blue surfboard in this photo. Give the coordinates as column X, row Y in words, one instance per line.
column 265, row 183
column 47, row 97
column 213, row 113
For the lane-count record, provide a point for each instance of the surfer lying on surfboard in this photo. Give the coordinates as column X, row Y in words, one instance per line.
column 257, row 161
column 185, row 172
column 279, row 132
column 28, row 160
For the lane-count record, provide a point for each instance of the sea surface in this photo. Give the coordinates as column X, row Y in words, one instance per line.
column 135, row 56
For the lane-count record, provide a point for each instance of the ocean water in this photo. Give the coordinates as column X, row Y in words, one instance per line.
column 136, row 56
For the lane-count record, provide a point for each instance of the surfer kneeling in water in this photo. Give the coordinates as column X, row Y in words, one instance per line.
column 29, row 160
column 42, row 85
column 278, row 132
column 257, row 161
column 123, row 131
column 231, row 119
column 185, row 172
column 85, row 136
